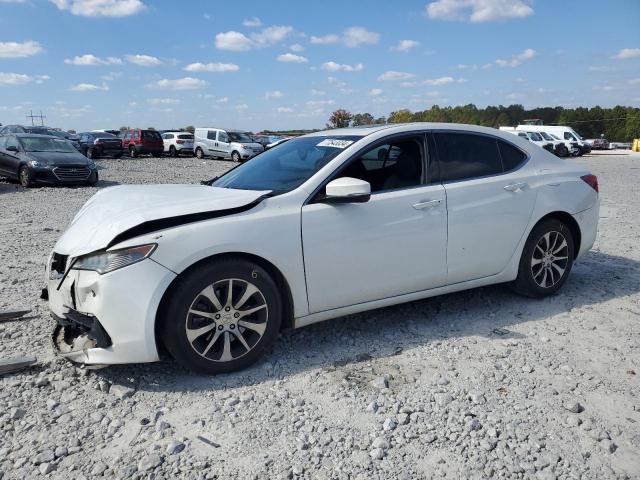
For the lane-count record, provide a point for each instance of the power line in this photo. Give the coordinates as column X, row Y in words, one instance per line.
column 598, row 120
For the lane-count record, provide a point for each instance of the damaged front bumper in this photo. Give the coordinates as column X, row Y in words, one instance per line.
column 76, row 333
column 110, row 318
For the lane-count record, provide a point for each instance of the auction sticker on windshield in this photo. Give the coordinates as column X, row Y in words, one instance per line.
column 335, row 143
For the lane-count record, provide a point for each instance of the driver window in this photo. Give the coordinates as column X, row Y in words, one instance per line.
column 223, row 137
column 389, row 166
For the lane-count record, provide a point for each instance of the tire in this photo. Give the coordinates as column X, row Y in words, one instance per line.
column 172, row 151
column 222, row 333
column 235, row 157
column 199, row 153
column 133, row 153
column 25, row 176
column 93, row 179
column 91, row 154
column 546, row 260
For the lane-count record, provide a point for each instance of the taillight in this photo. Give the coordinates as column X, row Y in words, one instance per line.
column 591, row 180
column 180, row 141
column 98, row 141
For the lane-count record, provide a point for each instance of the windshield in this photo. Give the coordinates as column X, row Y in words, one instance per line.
column 546, row 136
column 239, row 137
column 555, row 137
column 43, row 144
column 151, row 134
column 534, row 136
column 287, row 166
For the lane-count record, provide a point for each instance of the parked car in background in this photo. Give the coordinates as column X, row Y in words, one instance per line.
column 41, row 130
column 265, row 140
column 137, row 141
column 560, row 148
column 533, row 137
column 112, row 132
column 228, row 144
column 598, row 143
column 100, row 144
column 326, row 225
column 563, row 133
column 44, row 159
column 176, row 143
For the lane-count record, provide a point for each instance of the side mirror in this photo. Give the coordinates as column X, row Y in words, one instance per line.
column 12, row 148
column 347, row 190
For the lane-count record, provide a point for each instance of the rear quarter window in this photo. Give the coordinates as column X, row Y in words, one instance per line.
column 512, row 157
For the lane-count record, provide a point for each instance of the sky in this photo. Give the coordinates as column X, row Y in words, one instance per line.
column 90, row 64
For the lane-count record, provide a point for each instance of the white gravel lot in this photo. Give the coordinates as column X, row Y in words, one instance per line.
column 479, row 384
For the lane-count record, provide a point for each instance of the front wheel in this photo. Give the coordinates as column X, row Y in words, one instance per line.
column 93, row 179
column 235, row 157
column 199, row 153
column 133, row 153
column 221, row 316
column 91, row 154
column 546, row 260
column 25, row 176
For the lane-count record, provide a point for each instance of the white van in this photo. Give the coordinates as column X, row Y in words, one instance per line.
column 221, row 143
column 553, row 146
column 567, row 134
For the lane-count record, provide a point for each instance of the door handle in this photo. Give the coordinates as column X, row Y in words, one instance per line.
column 515, row 187
column 427, row 204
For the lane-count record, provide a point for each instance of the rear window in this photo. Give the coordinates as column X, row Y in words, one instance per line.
column 185, row 136
column 512, row 157
column 464, row 155
column 151, row 134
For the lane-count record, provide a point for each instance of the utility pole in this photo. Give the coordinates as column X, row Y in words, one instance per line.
column 33, row 117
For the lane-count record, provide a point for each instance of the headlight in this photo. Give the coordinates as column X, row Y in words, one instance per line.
column 34, row 163
column 104, row 262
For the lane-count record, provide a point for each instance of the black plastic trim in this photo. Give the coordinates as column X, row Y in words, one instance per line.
column 88, row 323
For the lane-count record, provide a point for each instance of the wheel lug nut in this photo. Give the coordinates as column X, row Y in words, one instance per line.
column 232, row 326
column 227, row 309
column 236, row 315
column 217, row 317
column 220, row 327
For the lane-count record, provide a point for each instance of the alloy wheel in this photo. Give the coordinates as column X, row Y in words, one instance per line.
column 226, row 320
column 550, row 259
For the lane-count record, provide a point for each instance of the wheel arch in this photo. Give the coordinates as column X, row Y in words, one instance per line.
column 571, row 223
column 279, row 278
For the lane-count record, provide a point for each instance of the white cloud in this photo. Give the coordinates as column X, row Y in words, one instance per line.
column 517, row 60
column 222, row 100
column 162, row 101
column 233, row 41
column 42, row 78
column 296, row 47
column 634, row 81
column 285, row 110
column 330, row 39
column 317, row 93
column 478, row 11
column 627, row 53
column 351, row 37
column 101, row 8
column 212, row 67
column 14, row 78
column 443, row 81
column 393, row 76
column 356, row 36
column 405, row 46
column 253, row 22
column 19, row 49
column 316, row 103
column 342, row 67
column 273, row 94
column 374, row 92
column 242, row 106
column 186, row 83
column 291, row 58
column 144, row 60
column 239, row 42
column 89, row 87
column 92, row 60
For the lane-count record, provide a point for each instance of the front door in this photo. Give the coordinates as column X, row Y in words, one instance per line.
column 223, row 144
column 391, row 245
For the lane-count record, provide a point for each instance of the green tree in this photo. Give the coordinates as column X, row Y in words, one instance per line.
column 362, row 119
column 401, row 116
column 191, row 129
column 339, row 119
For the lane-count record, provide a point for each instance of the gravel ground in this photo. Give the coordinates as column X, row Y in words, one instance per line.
column 478, row 384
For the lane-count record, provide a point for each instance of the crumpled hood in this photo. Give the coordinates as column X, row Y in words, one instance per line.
column 115, row 210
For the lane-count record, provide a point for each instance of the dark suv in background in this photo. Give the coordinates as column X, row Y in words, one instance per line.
column 100, row 144
column 137, row 141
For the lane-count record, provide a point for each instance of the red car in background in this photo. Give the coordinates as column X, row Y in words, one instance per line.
column 137, row 141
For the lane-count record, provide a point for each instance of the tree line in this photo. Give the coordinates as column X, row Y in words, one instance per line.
column 618, row 124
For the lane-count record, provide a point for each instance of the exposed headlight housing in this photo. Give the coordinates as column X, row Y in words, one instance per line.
column 108, row 261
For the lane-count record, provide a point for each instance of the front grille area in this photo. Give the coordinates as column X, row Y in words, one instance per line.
column 71, row 173
column 58, row 266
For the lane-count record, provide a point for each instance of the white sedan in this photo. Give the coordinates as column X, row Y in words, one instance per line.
column 325, row 225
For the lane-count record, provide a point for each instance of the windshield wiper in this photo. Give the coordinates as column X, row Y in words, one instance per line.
column 209, row 182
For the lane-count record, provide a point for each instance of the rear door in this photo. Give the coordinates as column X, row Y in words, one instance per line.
column 489, row 202
column 224, row 144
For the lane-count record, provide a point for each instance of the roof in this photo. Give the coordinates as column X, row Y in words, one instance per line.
column 404, row 127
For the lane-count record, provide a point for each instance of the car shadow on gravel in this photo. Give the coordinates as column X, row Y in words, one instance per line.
column 482, row 312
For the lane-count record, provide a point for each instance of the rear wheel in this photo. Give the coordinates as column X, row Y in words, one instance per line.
column 133, row 153
column 199, row 153
column 546, row 259
column 172, row 151
column 25, row 176
column 221, row 316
